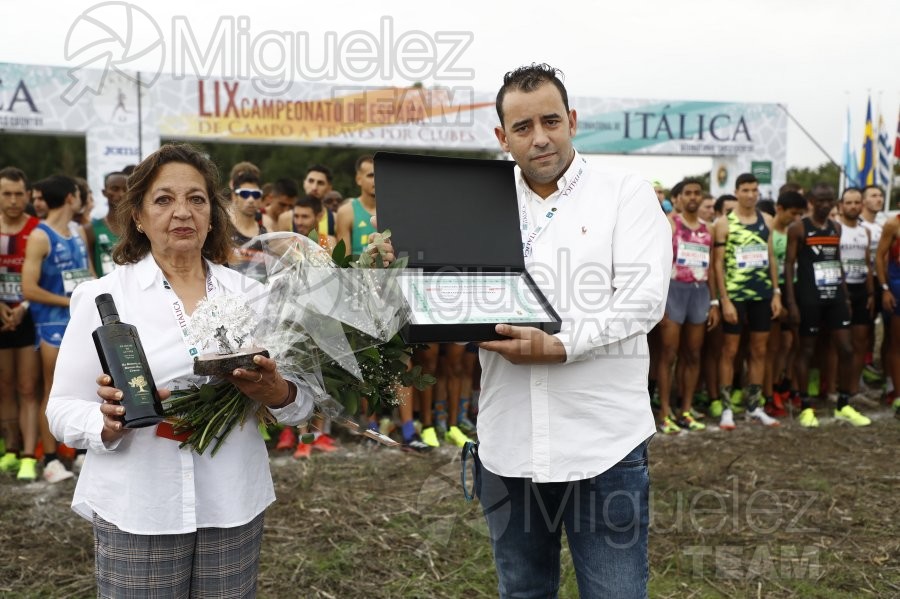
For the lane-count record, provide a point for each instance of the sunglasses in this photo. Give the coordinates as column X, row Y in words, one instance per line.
column 249, row 193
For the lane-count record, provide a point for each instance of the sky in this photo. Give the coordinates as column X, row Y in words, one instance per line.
column 818, row 57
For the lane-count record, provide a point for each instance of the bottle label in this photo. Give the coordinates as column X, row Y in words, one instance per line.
column 134, row 376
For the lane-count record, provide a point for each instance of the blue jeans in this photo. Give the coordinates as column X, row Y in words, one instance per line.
column 605, row 517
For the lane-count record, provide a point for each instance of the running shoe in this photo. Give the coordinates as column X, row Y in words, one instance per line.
column 871, row 375
column 896, row 404
column 27, row 469
column 727, row 421
column 775, row 407
column 861, row 399
column 415, row 445
column 807, row 419
column 324, row 443
column 287, row 440
column 304, row 450
column 429, row 437
column 737, row 401
column 697, row 414
column 466, row 426
column 457, row 437
column 759, row 415
column 687, row 421
column 9, row 462
column 849, row 414
column 715, row 408
column 386, row 426
column 55, row 472
column 2, row 445
column 668, row 426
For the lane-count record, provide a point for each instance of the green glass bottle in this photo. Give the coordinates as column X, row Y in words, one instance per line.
column 123, row 359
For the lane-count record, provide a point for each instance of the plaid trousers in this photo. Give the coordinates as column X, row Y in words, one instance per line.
column 211, row 562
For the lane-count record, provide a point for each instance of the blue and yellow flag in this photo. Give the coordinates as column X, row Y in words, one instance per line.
column 867, row 158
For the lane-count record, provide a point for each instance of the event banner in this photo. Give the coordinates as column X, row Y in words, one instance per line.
column 118, row 111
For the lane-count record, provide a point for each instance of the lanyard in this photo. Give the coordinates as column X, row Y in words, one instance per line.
column 181, row 317
column 529, row 235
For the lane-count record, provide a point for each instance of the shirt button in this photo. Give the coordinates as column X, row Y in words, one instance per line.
column 538, row 383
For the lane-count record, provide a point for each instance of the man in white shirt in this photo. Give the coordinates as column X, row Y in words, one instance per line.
column 564, row 419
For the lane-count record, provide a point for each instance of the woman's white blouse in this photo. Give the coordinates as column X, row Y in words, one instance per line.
column 143, row 483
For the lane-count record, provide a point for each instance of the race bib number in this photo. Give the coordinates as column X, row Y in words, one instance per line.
column 692, row 255
column 856, row 270
column 11, row 287
column 752, row 256
column 827, row 273
column 75, row 277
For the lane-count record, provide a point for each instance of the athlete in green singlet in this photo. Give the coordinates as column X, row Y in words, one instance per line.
column 354, row 218
column 747, row 276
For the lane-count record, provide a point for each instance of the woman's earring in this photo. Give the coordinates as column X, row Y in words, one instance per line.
column 140, row 228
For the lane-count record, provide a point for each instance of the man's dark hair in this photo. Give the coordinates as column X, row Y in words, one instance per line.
column 56, row 189
column 868, row 187
column 767, row 206
column 720, row 202
column 319, row 168
column 745, row 178
column 527, row 79
column 362, row 160
column 13, row 173
column 310, row 202
column 691, row 181
column 285, row 187
column 241, row 177
column 820, row 190
column 848, row 190
column 129, row 169
column 792, row 199
column 676, row 190
column 112, row 174
column 789, row 186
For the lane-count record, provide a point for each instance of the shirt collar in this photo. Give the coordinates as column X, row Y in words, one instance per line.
column 149, row 273
column 563, row 182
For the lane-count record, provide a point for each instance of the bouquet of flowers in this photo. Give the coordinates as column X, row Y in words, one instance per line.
column 331, row 321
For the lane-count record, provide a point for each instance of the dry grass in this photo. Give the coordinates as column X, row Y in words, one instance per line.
column 753, row 513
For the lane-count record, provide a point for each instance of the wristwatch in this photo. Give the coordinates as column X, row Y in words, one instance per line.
column 714, row 302
column 885, row 287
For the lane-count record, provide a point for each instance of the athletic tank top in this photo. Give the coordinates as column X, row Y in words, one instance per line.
column 362, row 227
column 779, row 248
column 875, row 230
column 104, row 240
column 690, row 252
column 12, row 256
column 854, row 243
column 819, row 273
column 894, row 259
column 747, row 260
column 64, row 267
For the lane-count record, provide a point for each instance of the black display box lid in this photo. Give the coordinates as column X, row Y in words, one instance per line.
column 452, row 216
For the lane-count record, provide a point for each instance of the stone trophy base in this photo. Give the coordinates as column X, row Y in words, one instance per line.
column 222, row 364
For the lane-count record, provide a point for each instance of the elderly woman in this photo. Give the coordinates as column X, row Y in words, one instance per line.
column 167, row 521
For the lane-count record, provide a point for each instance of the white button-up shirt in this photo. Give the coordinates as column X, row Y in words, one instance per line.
column 143, row 483
column 604, row 262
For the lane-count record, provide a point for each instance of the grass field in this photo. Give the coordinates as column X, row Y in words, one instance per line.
column 752, row 513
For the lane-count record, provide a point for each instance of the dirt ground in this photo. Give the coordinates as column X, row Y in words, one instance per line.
column 751, row 513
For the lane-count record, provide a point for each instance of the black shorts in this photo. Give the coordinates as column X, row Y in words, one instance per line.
column 833, row 315
column 755, row 315
column 22, row 336
column 859, row 313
